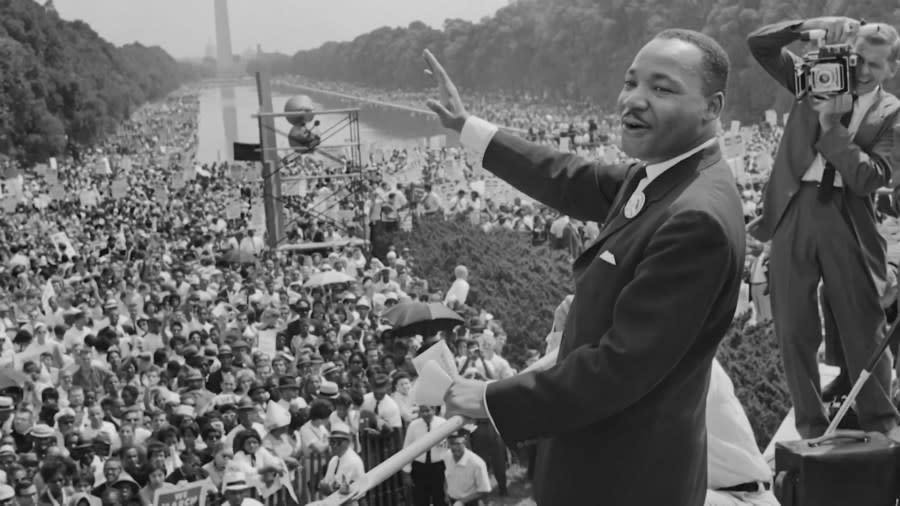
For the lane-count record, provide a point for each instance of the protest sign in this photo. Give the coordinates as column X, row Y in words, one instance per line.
column 732, row 145
column 190, row 494
column 9, row 204
column 119, row 188
column 735, row 126
column 178, row 181
column 771, row 117
column 234, row 210
column 267, row 341
column 53, row 164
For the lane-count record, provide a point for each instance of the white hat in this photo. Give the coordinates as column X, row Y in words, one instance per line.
column 339, row 430
column 235, row 480
column 7, row 493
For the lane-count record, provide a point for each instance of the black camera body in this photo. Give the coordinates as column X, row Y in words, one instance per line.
column 827, row 72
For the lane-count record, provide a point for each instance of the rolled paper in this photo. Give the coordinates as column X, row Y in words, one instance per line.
column 393, row 464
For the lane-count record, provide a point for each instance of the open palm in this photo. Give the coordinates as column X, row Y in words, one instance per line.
column 450, row 108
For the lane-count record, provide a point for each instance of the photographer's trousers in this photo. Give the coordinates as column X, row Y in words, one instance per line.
column 814, row 241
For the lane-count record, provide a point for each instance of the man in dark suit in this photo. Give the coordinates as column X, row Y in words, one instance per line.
column 622, row 413
column 819, row 214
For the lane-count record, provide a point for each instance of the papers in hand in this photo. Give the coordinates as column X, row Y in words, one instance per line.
column 431, row 386
column 437, row 371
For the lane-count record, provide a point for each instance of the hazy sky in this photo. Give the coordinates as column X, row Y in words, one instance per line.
column 185, row 27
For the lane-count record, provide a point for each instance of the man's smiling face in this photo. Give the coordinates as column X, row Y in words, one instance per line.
column 664, row 106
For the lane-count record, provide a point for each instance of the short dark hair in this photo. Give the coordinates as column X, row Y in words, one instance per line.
column 715, row 65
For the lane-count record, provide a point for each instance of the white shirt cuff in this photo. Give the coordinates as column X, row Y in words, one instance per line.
column 476, row 135
column 487, row 409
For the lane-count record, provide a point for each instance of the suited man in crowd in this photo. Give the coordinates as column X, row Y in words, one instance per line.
column 654, row 294
column 818, row 212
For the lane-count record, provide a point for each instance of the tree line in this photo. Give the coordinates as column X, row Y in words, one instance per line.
column 63, row 87
column 570, row 48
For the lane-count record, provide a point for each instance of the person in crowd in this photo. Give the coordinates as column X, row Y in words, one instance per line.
column 345, row 466
column 835, row 153
column 466, row 475
column 426, row 472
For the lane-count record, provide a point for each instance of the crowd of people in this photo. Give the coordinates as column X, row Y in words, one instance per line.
column 143, row 354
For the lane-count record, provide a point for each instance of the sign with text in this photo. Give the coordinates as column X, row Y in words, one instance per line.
column 732, row 145
column 191, row 494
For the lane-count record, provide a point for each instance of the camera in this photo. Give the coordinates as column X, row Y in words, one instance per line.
column 828, row 71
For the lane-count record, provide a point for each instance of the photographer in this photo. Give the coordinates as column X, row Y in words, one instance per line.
column 834, row 154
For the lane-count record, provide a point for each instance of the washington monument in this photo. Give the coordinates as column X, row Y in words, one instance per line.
column 225, row 58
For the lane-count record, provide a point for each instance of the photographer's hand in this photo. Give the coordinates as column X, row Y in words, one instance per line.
column 450, row 109
column 831, row 109
column 839, row 29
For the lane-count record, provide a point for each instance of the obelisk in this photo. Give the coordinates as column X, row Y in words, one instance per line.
column 225, row 58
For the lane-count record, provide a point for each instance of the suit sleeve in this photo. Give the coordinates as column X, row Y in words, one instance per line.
column 863, row 172
column 767, row 45
column 652, row 330
column 565, row 182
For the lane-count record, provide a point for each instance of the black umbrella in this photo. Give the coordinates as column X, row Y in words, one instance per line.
column 422, row 318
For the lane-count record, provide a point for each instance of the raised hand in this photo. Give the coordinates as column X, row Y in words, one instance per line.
column 450, row 108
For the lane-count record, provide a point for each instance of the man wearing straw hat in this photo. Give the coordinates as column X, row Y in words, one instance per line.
column 237, row 490
column 345, row 466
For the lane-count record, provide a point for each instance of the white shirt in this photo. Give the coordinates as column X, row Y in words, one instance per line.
column 860, row 109
column 733, row 457
column 417, row 430
column 467, row 476
column 348, row 466
column 458, row 291
column 387, row 409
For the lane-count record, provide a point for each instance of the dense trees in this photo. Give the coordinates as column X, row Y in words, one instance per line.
column 61, row 85
column 570, row 48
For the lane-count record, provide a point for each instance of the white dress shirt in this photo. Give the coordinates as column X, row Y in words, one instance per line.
column 416, row 431
column 459, row 291
column 466, row 476
column 860, row 109
column 733, row 457
column 348, row 466
column 477, row 134
column 387, row 409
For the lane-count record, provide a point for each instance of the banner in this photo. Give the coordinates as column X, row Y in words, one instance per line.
column 190, row 494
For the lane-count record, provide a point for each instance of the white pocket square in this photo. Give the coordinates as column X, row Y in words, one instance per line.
column 608, row 257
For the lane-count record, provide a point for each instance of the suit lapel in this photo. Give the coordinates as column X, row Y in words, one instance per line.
column 659, row 188
column 872, row 121
column 614, row 210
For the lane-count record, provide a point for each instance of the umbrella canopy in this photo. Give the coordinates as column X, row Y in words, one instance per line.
column 328, row 278
column 10, row 377
column 423, row 318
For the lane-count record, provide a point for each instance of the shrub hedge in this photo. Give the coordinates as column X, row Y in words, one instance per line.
column 521, row 285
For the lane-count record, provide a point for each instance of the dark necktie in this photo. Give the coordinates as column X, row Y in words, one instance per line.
column 826, row 188
column 428, row 452
column 377, row 403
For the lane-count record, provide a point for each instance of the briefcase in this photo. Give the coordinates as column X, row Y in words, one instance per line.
column 841, row 469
